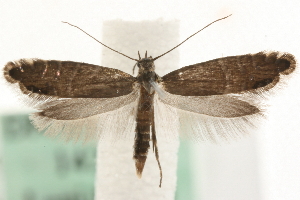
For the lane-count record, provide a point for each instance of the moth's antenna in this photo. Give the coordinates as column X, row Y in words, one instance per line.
column 100, row 42
column 191, row 36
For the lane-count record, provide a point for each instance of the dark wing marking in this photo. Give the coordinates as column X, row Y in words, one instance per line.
column 67, row 79
column 227, row 75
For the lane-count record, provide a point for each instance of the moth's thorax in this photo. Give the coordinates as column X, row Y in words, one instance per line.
column 147, row 76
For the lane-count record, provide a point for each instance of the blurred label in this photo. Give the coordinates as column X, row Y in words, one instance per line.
column 40, row 168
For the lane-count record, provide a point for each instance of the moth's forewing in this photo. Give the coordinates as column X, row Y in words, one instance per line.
column 67, row 79
column 227, row 75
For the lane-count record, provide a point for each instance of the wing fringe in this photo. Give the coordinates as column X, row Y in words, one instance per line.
column 172, row 122
column 105, row 126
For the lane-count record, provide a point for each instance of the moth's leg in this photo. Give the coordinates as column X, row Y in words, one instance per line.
column 155, row 149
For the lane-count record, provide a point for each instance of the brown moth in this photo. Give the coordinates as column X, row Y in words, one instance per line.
column 219, row 98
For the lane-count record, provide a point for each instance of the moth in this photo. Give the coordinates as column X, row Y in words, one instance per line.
column 219, row 98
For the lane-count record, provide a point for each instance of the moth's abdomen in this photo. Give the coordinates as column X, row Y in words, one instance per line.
column 142, row 132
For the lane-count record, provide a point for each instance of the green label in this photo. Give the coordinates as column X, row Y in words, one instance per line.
column 40, row 168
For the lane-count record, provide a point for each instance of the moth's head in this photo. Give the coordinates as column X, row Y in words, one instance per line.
column 146, row 64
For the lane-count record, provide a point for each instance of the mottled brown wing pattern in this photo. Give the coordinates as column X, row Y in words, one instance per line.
column 67, row 79
column 228, row 75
